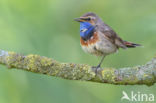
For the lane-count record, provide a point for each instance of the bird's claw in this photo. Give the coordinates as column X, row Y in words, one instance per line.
column 96, row 68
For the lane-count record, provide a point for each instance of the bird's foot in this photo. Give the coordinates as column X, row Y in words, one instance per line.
column 96, row 68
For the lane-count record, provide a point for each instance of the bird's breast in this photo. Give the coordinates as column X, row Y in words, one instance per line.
column 89, row 46
column 98, row 45
column 92, row 40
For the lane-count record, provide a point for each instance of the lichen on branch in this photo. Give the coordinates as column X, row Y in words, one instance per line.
column 145, row 74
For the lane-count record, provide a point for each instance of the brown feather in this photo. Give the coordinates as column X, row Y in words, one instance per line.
column 131, row 45
column 112, row 36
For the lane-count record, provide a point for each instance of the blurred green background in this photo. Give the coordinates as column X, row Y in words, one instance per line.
column 47, row 28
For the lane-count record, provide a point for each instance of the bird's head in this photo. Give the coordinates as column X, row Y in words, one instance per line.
column 89, row 17
column 88, row 24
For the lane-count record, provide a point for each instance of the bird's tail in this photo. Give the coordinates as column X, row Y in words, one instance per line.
column 131, row 45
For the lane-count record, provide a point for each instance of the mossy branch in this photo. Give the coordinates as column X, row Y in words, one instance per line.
column 145, row 74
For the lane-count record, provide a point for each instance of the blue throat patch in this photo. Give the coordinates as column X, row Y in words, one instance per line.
column 86, row 30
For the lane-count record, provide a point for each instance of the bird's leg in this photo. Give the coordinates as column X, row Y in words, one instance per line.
column 99, row 65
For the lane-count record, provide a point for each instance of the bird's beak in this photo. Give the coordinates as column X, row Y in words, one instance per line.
column 81, row 19
column 78, row 19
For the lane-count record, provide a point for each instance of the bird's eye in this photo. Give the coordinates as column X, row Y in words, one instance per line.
column 88, row 19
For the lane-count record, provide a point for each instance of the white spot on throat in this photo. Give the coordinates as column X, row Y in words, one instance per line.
column 91, row 37
column 84, row 30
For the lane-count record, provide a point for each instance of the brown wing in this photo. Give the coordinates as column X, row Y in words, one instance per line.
column 112, row 36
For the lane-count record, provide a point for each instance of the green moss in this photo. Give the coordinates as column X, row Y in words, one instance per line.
column 13, row 59
column 108, row 74
column 10, row 57
column 88, row 73
column 46, row 61
column 31, row 62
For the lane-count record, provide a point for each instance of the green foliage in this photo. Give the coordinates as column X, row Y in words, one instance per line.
column 46, row 27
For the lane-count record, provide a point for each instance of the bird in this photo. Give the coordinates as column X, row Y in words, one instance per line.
column 99, row 39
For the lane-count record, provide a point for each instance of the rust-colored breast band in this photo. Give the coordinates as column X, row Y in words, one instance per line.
column 90, row 41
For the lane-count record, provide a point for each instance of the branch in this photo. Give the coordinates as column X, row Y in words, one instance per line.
column 145, row 74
